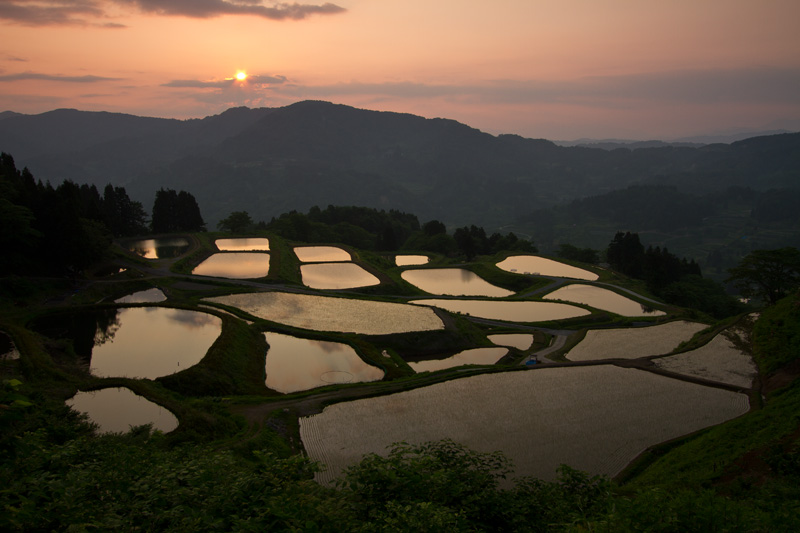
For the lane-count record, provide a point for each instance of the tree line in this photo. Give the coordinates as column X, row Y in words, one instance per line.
column 63, row 229
column 378, row 230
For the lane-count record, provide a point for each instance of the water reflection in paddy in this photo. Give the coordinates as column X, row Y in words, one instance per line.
column 311, row 254
column 453, row 282
column 237, row 265
column 520, row 341
column 295, row 364
column 476, row 356
column 153, row 295
column 336, row 276
column 408, row 260
column 116, row 410
column 243, row 245
column 532, row 264
column 508, row 311
column 160, row 248
column 602, row 299
column 148, row 342
column 324, row 313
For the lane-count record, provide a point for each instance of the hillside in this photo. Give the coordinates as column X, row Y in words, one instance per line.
column 270, row 161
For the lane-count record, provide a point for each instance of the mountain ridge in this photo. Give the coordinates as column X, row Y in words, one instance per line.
column 272, row 160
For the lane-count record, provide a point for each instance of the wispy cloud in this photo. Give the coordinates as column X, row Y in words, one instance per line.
column 215, row 8
column 101, row 12
column 226, row 83
column 21, row 76
column 56, row 12
column 747, row 85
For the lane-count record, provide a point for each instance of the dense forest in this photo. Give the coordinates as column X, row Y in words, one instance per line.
column 48, row 229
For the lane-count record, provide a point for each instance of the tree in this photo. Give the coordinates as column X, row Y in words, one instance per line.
column 626, row 254
column 584, row 255
column 237, row 222
column 768, row 275
column 173, row 211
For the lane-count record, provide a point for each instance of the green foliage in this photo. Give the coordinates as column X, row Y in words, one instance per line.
column 776, row 334
column 236, row 222
column 234, row 364
column 176, row 211
column 459, row 484
column 767, row 275
column 59, row 230
column 573, row 253
column 472, row 241
column 716, row 452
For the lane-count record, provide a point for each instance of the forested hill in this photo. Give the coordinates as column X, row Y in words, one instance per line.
column 270, row 161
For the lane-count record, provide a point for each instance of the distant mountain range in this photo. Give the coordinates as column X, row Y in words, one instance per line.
column 269, row 161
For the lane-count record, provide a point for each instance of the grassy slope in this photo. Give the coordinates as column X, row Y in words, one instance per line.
column 756, row 454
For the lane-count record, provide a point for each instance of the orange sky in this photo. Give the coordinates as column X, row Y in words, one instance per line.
column 559, row 69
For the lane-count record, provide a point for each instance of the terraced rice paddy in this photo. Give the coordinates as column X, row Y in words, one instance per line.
column 533, row 264
column 311, row 254
column 115, row 410
column 719, row 360
column 475, row 356
column 595, row 418
column 508, row 311
column 235, row 265
column 520, row 341
column 323, row 313
column 632, row 343
column 147, row 296
column 602, row 299
column 409, row 260
column 294, row 364
column 453, row 282
column 242, row 245
column 336, row 276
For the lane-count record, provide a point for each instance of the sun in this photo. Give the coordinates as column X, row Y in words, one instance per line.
column 241, row 75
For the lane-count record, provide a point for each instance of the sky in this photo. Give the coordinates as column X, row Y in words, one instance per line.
column 555, row 69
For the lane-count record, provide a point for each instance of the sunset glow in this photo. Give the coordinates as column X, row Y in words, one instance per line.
column 550, row 69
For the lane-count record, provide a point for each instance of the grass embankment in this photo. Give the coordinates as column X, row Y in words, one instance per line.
column 233, row 365
column 756, row 456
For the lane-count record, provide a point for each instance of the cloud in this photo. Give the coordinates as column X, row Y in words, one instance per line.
column 54, row 12
column 685, row 87
column 99, row 12
column 52, row 77
column 215, row 8
column 226, row 83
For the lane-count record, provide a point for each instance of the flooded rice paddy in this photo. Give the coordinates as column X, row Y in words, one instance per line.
column 410, row 260
column 336, row 276
column 153, row 295
column 453, row 282
column 294, row 364
column 320, row 254
column 149, row 342
column 475, row 356
column 533, row 264
column 602, row 299
column 719, row 360
column 161, row 248
column 548, row 417
column 632, row 343
column 115, row 410
column 235, row 265
column 249, row 244
column 323, row 313
column 520, row 341
column 508, row 311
